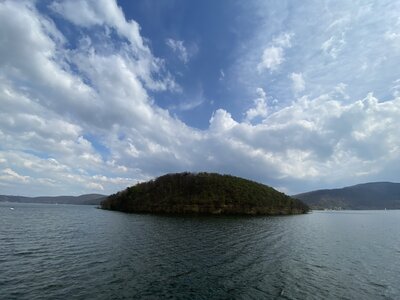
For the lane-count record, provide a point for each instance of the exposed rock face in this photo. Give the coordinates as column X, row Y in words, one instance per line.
column 203, row 193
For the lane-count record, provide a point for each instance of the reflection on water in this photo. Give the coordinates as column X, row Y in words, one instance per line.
column 80, row 252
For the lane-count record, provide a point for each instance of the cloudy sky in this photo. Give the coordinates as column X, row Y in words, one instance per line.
column 97, row 95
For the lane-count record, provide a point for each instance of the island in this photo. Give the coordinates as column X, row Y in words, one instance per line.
column 203, row 193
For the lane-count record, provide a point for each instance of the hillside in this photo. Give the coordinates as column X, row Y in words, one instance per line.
column 205, row 193
column 88, row 199
column 375, row 195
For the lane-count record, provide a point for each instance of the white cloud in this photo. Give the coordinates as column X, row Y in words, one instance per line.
column 221, row 121
column 221, row 75
column 334, row 45
column 91, row 13
column 48, row 109
column 260, row 106
column 41, row 176
column 283, row 40
column 49, row 113
column 185, row 106
column 179, row 48
column 343, row 47
column 339, row 23
column 196, row 100
column 341, row 89
column 393, row 37
column 88, row 13
column 298, row 83
column 273, row 55
column 10, row 175
column 320, row 139
column 396, row 88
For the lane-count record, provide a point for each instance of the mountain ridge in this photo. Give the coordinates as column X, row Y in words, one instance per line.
column 370, row 195
column 85, row 199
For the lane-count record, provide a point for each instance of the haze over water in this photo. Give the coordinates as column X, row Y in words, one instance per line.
column 79, row 252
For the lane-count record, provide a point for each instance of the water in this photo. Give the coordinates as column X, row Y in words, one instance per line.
column 80, row 252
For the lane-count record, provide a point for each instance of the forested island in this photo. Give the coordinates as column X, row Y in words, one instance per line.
column 203, row 193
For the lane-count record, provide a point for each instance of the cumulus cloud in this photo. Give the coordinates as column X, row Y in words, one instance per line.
column 80, row 119
column 105, row 13
column 271, row 58
column 273, row 55
column 221, row 121
column 48, row 108
column 33, row 175
column 260, row 106
column 321, row 138
column 298, row 83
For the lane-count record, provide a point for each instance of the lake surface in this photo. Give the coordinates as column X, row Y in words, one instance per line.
column 80, row 252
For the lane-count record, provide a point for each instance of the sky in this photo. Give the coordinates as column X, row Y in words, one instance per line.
column 97, row 95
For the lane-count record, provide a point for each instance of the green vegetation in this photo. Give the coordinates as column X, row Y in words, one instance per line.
column 206, row 193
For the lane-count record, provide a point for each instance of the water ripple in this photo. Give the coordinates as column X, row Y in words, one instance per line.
column 75, row 252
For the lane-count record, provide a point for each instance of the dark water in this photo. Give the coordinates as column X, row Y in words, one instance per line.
column 80, row 252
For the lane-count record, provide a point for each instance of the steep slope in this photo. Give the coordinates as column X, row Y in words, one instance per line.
column 374, row 195
column 207, row 193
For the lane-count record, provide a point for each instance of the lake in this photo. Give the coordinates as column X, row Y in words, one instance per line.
column 80, row 252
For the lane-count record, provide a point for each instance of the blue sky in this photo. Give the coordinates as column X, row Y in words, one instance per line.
column 98, row 95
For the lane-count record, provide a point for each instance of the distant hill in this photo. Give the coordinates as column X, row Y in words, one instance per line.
column 203, row 193
column 88, row 199
column 374, row 195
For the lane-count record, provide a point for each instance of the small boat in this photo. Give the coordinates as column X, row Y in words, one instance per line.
column 11, row 208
